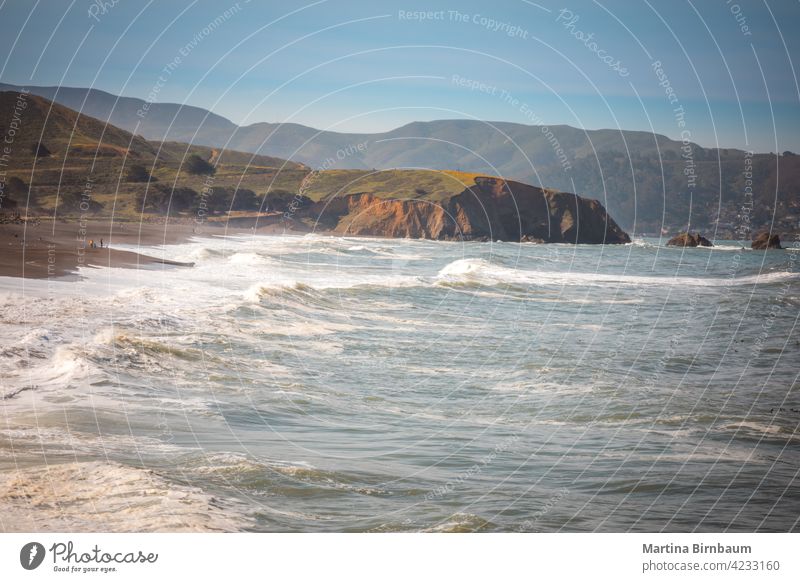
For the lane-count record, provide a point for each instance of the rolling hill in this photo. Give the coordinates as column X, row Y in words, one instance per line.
column 78, row 165
column 161, row 122
column 641, row 177
column 52, row 154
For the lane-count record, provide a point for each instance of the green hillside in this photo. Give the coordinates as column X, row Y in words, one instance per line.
column 59, row 155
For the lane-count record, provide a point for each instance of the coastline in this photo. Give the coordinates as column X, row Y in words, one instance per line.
column 49, row 249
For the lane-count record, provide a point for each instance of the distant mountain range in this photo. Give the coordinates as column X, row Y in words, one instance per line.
column 645, row 180
column 58, row 163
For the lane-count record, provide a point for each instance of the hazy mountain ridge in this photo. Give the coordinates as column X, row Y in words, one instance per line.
column 79, row 165
column 639, row 176
column 160, row 122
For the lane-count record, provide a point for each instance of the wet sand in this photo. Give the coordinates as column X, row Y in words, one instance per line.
column 57, row 249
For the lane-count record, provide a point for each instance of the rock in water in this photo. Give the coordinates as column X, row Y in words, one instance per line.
column 766, row 240
column 689, row 239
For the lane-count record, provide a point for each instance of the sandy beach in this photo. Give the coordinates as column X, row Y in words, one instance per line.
column 38, row 250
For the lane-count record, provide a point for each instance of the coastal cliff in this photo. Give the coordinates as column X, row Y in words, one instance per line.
column 490, row 209
column 111, row 170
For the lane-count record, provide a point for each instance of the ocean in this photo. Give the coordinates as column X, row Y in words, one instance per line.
column 314, row 383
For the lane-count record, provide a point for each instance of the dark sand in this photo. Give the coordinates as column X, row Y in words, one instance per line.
column 56, row 249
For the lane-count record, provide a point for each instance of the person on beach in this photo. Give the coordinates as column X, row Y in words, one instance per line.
column 101, row 243
column 91, row 243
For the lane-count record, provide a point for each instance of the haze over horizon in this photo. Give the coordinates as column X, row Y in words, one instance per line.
column 371, row 67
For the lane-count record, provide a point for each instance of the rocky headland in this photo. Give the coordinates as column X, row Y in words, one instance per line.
column 490, row 209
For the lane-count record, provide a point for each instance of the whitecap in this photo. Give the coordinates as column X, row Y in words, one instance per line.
column 101, row 496
column 484, row 272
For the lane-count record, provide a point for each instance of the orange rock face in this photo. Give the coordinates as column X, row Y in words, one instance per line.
column 492, row 209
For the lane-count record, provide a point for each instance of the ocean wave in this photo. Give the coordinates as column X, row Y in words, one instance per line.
column 480, row 271
column 641, row 243
column 250, row 259
column 383, row 253
column 467, row 267
column 283, row 291
column 34, row 309
column 56, row 439
column 462, row 523
column 101, row 496
column 33, row 344
column 645, row 244
column 144, row 294
column 288, row 476
column 149, row 346
column 68, row 363
column 312, row 291
column 202, row 253
column 720, row 247
column 66, row 368
column 762, row 430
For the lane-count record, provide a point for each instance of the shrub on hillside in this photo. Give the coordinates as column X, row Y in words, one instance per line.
column 11, row 192
column 164, row 199
column 76, row 203
column 198, row 166
column 40, row 150
column 283, row 201
column 244, row 199
column 16, row 186
column 138, row 173
column 220, row 200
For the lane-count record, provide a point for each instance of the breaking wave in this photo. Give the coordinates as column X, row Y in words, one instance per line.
column 483, row 272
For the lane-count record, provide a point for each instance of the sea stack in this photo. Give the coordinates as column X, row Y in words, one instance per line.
column 688, row 239
column 766, row 240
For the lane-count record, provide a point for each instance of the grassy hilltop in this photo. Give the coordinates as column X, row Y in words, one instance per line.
column 81, row 153
column 66, row 165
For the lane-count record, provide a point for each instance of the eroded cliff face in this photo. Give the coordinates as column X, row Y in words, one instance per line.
column 491, row 209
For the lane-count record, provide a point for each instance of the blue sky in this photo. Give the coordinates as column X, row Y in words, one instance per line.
column 372, row 66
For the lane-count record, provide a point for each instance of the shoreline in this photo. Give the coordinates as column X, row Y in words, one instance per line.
column 57, row 249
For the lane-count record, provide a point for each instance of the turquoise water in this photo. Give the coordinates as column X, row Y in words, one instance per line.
column 341, row 384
